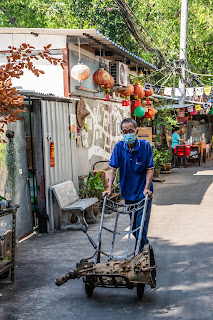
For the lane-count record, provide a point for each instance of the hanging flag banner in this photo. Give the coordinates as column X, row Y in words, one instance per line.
column 189, row 92
column 147, row 86
column 157, row 89
column 190, row 109
column 199, row 91
column 198, row 107
column 207, row 91
column 178, row 92
column 168, row 91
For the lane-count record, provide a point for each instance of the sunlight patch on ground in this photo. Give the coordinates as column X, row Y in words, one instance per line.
column 204, row 173
column 187, row 288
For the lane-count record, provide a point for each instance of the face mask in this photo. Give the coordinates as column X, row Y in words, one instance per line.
column 129, row 138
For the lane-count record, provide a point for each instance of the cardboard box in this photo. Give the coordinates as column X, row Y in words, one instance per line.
column 145, row 133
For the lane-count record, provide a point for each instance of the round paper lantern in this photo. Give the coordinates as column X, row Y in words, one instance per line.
column 139, row 112
column 138, row 91
column 101, row 77
column 80, row 72
column 149, row 93
column 194, row 112
column 110, row 83
column 128, row 91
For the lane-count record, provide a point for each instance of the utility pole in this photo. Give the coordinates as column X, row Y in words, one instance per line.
column 183, row 53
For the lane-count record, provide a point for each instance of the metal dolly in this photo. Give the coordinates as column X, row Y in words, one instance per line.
column 133, row 269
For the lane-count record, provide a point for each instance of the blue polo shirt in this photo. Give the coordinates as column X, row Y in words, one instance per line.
column 133, row 167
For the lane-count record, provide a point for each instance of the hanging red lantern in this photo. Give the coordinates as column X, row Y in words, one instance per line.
column 80, row 72
column 108, row 86
column 149, row 113
column 149, row 93
column 101, row 77
column 127, row 93
column 138, row 93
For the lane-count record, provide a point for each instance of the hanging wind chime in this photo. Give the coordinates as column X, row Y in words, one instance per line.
column 80, row 71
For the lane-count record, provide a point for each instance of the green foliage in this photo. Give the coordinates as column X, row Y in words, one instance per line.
column 161, row 18
column 93, row 187
column 158, row 159
column 165, row 117
column 12, row 162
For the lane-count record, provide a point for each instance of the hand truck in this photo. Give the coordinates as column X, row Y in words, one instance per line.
column 132, row 269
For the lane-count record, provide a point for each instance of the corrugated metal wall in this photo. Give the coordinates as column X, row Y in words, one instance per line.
column 56, row 121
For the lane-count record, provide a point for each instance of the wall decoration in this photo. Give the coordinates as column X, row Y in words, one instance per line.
column 82, row 113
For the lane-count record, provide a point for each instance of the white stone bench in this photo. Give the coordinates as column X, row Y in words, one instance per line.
column 69, row 202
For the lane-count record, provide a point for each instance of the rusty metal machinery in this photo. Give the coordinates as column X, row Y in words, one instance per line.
column 131, row 270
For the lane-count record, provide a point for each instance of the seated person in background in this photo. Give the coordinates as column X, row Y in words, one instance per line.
column 175, row 141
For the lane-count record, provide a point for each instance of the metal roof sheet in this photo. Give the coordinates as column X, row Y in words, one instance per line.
column 92, row 33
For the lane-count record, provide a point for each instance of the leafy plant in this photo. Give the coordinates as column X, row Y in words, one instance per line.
column 166, row 156
column 158, row 159
column 93, row 187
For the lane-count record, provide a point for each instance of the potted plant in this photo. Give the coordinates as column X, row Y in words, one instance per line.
column 158, row 162
column 166, row 160
column 93, row 187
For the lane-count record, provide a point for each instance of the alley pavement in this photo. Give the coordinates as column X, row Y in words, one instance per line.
column 181, row 232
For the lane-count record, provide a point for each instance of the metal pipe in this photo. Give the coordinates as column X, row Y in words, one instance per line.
column 142, row 225
column 100, row 229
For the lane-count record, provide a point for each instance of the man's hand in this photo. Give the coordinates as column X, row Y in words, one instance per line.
column 107, row 192
column 147, row 191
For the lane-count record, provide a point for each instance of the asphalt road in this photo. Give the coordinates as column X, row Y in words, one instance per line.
column 181, row 233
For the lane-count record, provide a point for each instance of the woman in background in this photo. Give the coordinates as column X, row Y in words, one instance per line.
column 175, row 142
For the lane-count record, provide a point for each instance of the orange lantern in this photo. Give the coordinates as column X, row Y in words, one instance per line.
column 80, row 72
column 149, row 93
column 129, row 91
column 110, row 84
column 138, row 93
column 101, row 77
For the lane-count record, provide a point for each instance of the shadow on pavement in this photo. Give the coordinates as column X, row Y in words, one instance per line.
column 184, row 284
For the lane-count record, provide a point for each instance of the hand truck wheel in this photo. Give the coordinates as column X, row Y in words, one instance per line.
column 89, row 289
column 140, row 290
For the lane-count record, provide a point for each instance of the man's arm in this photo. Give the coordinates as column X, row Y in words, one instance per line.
column 149, row 176
column 112, row 174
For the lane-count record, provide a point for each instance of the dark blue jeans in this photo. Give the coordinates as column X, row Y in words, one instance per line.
column 137, row 222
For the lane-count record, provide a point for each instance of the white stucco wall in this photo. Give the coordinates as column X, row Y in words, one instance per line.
column 103, row 126
column 52, row 81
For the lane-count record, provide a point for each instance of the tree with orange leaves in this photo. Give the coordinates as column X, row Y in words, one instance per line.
column 18, row 60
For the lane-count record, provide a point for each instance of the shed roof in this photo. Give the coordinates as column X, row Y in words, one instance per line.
column 96, row 39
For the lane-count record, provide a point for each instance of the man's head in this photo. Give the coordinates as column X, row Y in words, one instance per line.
column 129, row 130
column 128, row 125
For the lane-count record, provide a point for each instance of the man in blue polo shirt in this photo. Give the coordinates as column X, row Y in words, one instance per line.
column 134, row 157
